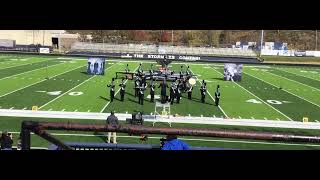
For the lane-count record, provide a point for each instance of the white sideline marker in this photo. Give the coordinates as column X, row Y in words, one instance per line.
column 76, row 110
column 240, row 117
column 11, row 107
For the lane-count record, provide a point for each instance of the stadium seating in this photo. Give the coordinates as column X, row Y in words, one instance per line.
column 153, row 49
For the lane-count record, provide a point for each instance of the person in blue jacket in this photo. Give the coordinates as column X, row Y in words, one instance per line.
column 173, row 143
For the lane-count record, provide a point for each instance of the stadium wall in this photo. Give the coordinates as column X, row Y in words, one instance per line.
column 268, row 52
column 217, row 59
column 27, row 37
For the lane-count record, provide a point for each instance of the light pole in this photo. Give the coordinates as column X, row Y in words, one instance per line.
column 261, row 42
column 316, row 40
column 171, row 37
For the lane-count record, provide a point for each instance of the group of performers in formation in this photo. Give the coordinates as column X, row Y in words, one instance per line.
column 178, row 86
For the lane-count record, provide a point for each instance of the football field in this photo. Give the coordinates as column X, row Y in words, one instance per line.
column 60, row 84
column 265, row 92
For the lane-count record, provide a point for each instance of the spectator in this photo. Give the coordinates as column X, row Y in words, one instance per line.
column 112, row 120
column 6, row 141
column 173, row 143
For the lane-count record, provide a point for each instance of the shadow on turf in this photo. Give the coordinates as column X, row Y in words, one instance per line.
column 104, row 98
column 219, row 79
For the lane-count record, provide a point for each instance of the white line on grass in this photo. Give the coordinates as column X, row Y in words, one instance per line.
column 211, row 96
column 297, row 74
column 294, row 81
column 41, row 81
column 29, row 71
column 285, row 90
column 11, row 107
column 260, row 99
column 116, row 93
column 18, row 64
column 66, row 92
column 72, row 89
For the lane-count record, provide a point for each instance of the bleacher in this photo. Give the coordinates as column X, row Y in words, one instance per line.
column 153, row 49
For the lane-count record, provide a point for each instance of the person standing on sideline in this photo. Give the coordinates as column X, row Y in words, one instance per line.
column 217, row 96
column 112, row 120
column 112, row 89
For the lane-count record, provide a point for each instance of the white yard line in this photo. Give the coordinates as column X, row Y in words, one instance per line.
column 281, row 69
column 212, row 97
column 116, row 93
column 284, row 90
column 259, row 98
column 30, row 71
column 294, row 81
column 17, row 64
column 66, row 92
column 72, row 89
column 41, row 81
